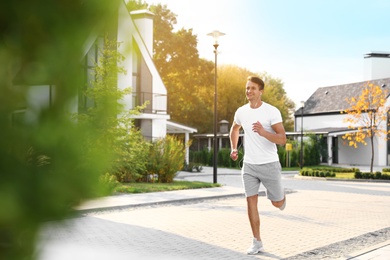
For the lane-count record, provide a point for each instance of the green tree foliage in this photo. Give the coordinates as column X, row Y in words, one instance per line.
column 190, row 80
column 231, row 90
column 136, row 5
column 111, row 120
column 44, row 170
column 276, row 95
column 231, row 93
column 312, row 149
column 185, row 75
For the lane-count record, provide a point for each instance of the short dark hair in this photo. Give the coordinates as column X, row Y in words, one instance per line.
column 257, row 80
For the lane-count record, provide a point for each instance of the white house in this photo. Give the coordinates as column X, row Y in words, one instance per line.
column 134, row 32
column 321, row 114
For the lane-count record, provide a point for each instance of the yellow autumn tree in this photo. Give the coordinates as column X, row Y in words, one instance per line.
column 367, row 115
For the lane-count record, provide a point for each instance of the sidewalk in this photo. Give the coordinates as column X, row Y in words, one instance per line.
column 377, row 252
column 296, row 210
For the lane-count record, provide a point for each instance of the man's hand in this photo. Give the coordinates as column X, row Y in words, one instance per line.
column 234, row 154
column 258, row 128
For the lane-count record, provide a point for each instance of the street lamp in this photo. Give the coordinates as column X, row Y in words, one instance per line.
column 302, row 106
column 215, row 34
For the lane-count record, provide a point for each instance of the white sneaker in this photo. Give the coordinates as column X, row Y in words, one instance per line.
column 257, row 247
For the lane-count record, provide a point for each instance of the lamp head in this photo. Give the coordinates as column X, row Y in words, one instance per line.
column 216, row 34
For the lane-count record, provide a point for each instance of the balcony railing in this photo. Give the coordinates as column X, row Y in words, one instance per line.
column 157, row 102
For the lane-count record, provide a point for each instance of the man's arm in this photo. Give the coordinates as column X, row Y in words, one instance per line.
column 234, row 135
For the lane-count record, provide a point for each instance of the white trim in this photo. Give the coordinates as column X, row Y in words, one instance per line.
column 175, row 128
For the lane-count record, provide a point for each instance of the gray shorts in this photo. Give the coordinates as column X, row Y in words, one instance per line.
column 269, row 174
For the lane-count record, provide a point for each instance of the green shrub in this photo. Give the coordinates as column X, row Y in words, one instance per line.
column 385, row 176
column 166, row 157
column 202, row 157
column 316, row 173
column 110, row 182
column 131, row 157
column 282, row 155
column 367, row 175
column 303, row 173
column 294, row 158
column 205, row 157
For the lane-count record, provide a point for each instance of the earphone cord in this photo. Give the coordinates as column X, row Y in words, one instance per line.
column 240, row 162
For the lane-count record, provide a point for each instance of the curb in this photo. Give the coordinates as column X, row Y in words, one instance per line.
column 157, row 203
column 366, row 251
column 297, row 176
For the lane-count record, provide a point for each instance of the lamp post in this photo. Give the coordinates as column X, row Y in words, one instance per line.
column 302, row 106
column 215, row 34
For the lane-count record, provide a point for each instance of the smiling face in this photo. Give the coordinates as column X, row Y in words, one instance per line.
column 253, row 93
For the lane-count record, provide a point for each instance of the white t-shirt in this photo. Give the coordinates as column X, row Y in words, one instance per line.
column 258, row 150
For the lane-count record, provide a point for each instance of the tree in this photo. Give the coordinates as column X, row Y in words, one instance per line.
column 190, row 80
column 276, row 95
column 231, row 93
column 136, row 5
column 367, row 115
column 186, row 76
column 114, row 125
column 44, row 173
column 231, row 90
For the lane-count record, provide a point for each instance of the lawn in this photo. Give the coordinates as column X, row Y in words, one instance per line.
column 155, row 187
column 345, row 175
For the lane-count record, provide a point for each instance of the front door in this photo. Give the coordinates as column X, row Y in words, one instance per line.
column 335, row 149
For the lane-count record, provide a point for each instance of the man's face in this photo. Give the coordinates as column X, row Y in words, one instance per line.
column 252, row 91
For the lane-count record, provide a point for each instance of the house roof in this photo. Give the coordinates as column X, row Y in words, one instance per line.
column 176, row 128
column 333, row 99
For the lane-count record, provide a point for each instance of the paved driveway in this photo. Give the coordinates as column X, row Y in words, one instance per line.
column 323, row 219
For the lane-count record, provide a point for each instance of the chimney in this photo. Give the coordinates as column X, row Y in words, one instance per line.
column 143, row 19
column 376, row 65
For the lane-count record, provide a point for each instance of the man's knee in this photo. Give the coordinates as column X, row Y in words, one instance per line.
column 279, row 203
column 252, row 200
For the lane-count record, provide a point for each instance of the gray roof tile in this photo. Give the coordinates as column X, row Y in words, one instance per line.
column 333, row 99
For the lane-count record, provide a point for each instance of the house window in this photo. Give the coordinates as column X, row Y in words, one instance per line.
column 90, row 61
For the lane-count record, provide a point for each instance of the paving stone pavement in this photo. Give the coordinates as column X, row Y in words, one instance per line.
column 344, row 223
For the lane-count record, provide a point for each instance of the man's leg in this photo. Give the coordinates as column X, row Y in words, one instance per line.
column 272, row 181
column 254, row 219
column 253, row 214
column 280, row 204
column 251, row 185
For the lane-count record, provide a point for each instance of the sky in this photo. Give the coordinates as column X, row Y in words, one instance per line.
column 306, row 44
